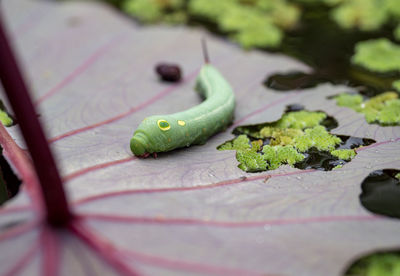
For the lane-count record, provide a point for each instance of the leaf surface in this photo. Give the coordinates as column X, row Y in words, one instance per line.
column 190, row 211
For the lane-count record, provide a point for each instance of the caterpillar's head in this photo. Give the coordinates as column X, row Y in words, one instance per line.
column 155, row 134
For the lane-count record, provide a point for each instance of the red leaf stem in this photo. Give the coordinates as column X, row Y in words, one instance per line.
column 57, row 209
column 228, row 224
column 51, row 252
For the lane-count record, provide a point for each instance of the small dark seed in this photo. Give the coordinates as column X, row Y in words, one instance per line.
column 169, row 72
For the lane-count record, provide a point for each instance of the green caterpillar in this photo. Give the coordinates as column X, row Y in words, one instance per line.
column 162, row 133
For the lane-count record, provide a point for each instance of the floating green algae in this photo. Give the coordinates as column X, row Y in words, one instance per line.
column 151, row 11
column 378, row 55
column 366, row 15
column 242, row 142
column 255, row 23
column 317, row 137
column 278, row 155
column 396, row 32
column 344, row 154
column 396, row 85
column 376, row 264
column 250, row 23
column 383, row 109
column 5, row 118
column 299, row 139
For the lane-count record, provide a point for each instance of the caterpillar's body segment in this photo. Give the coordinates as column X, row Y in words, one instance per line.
column 162, row 133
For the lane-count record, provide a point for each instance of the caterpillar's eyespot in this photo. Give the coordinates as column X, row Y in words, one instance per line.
column 163, row 125
column 181, row 123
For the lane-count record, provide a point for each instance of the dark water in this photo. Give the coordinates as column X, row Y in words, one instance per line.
column 10, row 179
column 381, row 193
column 323, row 160
column 350, row 142
column 319, row 160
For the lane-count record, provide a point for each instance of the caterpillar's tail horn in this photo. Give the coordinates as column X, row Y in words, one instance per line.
column 205, row 51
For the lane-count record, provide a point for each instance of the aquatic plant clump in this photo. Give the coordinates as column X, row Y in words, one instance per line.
column 396, row 32
column 378, row 55
column 5, row 118
column 151, row 11
column 383, row 109
column 366, row 15
column 396, row 85
column 290, row 140
column 376, row 264
column 252, row 24
column 344, row 154
column 278, row 155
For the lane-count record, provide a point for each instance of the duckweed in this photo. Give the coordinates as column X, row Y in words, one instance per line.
column 383, row 109
column 290, row 140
